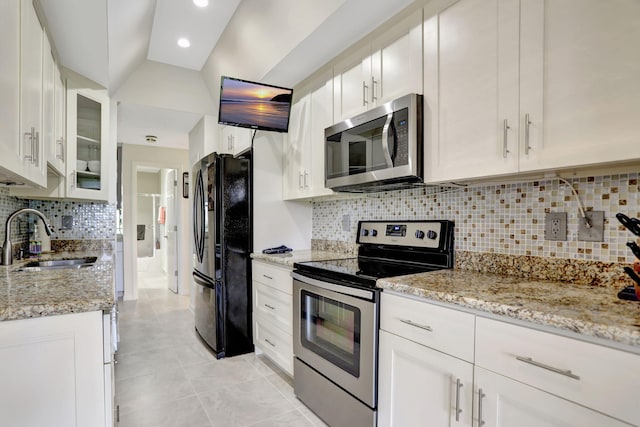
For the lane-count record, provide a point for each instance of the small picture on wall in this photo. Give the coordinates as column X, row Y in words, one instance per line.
column 185, row 185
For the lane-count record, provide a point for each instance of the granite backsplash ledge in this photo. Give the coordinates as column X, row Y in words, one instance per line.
column 580, row 272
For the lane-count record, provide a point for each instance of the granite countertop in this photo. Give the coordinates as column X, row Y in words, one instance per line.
column 590, row 311
column 290, row 258
column 26, row 294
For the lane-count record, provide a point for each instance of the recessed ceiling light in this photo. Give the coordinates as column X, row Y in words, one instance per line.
column 201, row 3
column 184, row 42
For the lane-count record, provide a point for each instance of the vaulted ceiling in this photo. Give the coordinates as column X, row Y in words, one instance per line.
column 116, row 42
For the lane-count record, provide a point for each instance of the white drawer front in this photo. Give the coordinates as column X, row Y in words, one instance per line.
column 274, row 305
column 443, row 329
column 276, row 344
column 273, row 275
column 598, row 377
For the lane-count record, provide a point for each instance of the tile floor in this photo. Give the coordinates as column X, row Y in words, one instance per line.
column 166, row 378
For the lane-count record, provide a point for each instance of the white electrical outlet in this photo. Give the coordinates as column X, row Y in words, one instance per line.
column 555, row 226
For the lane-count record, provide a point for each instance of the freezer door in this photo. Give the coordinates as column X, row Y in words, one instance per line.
column 209, row 312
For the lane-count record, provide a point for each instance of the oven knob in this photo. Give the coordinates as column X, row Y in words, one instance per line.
column 419, row 234
column 432, row 235
column 365, row 232
column 374, row 232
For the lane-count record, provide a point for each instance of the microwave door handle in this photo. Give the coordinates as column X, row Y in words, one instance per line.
column 385, row 140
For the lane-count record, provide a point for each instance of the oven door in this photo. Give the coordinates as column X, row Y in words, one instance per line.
column 335, row 332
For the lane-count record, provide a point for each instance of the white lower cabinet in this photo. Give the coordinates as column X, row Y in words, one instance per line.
column 516, row 377
column 52, row 371
column 273, row 313
column 503, row 402
column 420, row 386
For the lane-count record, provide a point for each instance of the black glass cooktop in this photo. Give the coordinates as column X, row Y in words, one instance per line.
column 361, row 271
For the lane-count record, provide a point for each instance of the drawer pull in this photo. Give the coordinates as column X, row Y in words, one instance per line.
column 458, row 410
column 417, row 325
column 269, row 342
column 481, row 395
column 268, row 277
column 268, row 306
column 565, row 372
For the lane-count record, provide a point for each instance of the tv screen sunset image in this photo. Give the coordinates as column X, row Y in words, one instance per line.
column 254, row 105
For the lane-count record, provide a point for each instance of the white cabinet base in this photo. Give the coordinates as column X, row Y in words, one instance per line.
column 52, row 371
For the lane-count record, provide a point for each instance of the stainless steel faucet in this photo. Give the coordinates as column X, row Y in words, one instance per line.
column 7, row 246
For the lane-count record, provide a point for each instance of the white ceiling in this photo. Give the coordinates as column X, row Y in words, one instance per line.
column 201, row 25
column 108, row 40
column 169, row 126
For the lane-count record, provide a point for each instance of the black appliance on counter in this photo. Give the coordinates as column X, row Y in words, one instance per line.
column 336, row 313
column 222, row 244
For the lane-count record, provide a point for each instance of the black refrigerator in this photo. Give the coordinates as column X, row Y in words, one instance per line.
column 222, row 244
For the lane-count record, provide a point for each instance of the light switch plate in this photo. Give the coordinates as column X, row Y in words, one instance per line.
column 346, row 222
column 67, row 222
column 596, row 232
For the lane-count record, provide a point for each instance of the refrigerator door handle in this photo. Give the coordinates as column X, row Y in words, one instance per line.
column 202, row 280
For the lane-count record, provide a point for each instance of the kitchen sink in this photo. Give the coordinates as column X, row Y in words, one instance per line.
column 57, row 264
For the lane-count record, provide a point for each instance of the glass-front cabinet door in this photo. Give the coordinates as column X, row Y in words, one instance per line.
column 87, row 130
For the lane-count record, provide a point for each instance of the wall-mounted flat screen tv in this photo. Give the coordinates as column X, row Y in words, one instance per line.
column 254, row 105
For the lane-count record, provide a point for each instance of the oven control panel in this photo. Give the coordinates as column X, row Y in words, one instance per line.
column 425, row 234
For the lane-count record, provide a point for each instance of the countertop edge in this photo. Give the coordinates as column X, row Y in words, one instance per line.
column 607, row 335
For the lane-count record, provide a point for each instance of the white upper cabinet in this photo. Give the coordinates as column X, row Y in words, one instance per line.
column 580, row 85
column 56, row 153
column 304, row 143
column 31, row 72
column 10, row 141
column 235, row 140
column 296, row 149
column 471, row 90
column 387, row 68
column 91, row 156
column 49, row 110
column 526, row 86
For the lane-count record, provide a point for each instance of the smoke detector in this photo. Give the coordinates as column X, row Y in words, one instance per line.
column 151, row 138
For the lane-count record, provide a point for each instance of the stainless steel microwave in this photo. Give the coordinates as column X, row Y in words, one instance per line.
column 378, row 150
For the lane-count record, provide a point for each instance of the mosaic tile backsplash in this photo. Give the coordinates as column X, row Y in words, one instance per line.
column 20, row 226
column 501, row 219
column 91, row 220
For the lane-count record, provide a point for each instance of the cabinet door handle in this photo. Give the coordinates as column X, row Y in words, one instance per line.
column 269, row 342
column 270, row 307
column 29, row 135
column 481, row 395
column 37, row 148
column 565, row 372
column 373, row 89
column 306, row 179
column 458, row 410
column 73, row 179
column 60, row 144
column 505, row 146
column 364, row 94
column 417, row 325
column 268, row 277
column 527, row 124
column 300, row 180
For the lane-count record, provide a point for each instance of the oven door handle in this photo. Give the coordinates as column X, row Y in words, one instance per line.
column 343, row 289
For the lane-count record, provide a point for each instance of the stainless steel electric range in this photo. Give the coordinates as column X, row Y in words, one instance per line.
column 336, row 307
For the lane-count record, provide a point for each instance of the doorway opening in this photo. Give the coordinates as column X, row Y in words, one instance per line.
column 156, row 227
